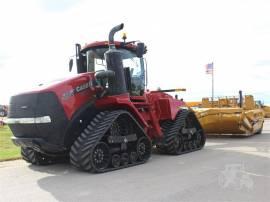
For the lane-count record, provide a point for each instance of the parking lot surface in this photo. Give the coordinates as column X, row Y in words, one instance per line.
column 227, row 169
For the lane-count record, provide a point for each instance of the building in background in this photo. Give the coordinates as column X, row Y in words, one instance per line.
column 3, row 113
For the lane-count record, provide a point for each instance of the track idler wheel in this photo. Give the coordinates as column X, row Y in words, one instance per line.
column 190, row 144
column 143, row 149
column 124, row 159
column 133, row 157
column 116, row 160
column 101, row 156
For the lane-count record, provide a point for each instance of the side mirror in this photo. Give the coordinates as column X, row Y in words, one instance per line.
column 140, row 50
column 105, row 74
column 70, row 64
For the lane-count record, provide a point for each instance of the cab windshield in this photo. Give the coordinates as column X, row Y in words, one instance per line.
column 96, row 62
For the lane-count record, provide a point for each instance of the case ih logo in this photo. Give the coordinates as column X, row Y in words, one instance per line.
column 77, row 89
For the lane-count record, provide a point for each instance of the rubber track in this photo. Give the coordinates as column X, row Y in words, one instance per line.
column 172, row 127
column 28, row 155
column 34, row 157
column 82, row 148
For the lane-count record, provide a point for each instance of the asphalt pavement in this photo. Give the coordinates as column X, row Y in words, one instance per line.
column 226, row 170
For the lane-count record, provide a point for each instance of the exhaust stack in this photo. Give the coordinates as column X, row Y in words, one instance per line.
column 112, row 33
column 113, row 57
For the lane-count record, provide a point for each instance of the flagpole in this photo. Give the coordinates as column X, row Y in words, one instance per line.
column 210, row 70
column 213, row 85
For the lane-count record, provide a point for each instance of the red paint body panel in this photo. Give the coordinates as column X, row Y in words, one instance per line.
column 64, row 87
column 73, row 103
column 149, row 109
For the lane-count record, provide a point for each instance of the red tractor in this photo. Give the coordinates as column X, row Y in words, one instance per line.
column 103, row 118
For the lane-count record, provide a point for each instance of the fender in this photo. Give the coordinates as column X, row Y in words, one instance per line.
column 78, row 122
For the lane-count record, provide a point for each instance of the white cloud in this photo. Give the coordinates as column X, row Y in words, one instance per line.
column 182, row 36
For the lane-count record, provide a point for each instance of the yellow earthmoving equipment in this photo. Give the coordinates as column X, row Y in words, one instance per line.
column 266, row 110
column 220, row 103
column 193, row 104
column 228, row 116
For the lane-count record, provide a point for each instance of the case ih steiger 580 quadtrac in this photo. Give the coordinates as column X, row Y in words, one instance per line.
column 103, row 118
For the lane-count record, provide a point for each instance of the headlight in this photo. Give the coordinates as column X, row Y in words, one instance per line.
column 43, row 119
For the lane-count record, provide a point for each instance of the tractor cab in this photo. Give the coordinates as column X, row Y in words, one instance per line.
column 128, row 69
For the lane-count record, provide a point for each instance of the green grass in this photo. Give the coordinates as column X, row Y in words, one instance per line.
column 7, row 149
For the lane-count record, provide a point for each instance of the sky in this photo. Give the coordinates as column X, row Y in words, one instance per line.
column 37, row 38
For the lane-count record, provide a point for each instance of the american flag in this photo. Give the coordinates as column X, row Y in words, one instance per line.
column 209, row 68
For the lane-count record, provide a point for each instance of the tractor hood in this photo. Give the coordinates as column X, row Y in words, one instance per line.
column 60, row 82
column 70, row 93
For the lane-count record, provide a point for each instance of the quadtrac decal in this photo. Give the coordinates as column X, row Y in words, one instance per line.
column 77, row 89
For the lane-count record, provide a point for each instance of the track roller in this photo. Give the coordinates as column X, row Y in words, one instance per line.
column 116, row 160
